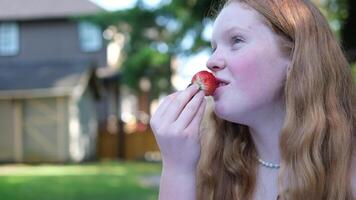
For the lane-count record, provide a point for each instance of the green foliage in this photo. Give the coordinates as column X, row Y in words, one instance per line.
column 147, row 63
column 106, row 181
column 147, row 29
column 153, row 36
column 354, row 72
column 336, row 13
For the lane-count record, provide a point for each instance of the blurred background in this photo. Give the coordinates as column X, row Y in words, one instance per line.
column 79, row 80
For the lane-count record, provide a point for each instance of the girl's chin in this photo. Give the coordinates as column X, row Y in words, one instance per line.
column 217, row 95
column 217, row 92
column 220, row 110
column 220, row 91
column 225, row 111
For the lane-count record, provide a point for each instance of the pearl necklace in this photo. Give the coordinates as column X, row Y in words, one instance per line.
column 268, row 164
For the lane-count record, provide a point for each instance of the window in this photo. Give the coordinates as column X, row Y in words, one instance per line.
column 90, row 37
column 9, row 39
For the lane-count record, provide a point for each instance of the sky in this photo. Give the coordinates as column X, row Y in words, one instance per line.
column 188, row 66
column 112, row 5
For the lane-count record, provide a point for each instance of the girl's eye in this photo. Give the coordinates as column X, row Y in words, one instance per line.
column 213, row 49
column 236, row 39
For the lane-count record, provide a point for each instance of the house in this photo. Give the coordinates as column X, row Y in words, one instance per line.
column 46, row 112
column 48, row 85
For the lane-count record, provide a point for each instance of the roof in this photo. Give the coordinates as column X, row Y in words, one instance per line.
column 45, row 9
column 43, row 79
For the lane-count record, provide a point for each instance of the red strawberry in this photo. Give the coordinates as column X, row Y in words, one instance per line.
column 206, row 81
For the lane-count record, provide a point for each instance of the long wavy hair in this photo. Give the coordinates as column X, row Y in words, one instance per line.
column 318, row 134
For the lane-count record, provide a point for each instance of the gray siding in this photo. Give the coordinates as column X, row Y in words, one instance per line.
column 44, row 132
column 7, row 131
column 63, row 131
column 88, row 122
column 43, row 129
column 51, row 40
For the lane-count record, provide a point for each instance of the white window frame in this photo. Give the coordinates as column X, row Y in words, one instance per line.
column 90, row 36
column 9, row 38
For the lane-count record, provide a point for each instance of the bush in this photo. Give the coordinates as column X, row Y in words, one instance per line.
column 354, row 72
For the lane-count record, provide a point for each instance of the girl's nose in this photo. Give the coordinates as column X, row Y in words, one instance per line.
column 215, row 63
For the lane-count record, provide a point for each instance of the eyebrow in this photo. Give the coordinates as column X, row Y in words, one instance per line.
column 233, row 28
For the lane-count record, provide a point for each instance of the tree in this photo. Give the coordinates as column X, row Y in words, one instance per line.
column 154, row 35
column 349, row 31
column 342, row 18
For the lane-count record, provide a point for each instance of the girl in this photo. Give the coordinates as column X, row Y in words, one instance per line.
column 283, row 122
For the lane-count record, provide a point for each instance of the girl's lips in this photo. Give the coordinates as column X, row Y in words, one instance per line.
column 221, row 84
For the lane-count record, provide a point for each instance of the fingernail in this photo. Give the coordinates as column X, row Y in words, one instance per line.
column 194, row 86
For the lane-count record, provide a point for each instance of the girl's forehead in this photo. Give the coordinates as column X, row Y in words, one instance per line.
column 236, row 15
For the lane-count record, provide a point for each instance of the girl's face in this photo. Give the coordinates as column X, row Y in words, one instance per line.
column 247, row 57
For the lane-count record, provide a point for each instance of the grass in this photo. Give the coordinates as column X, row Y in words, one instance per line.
column 104, row 181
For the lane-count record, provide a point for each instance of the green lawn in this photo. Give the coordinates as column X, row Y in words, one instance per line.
column 99, row 181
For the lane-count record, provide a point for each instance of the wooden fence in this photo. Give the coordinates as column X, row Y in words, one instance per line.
column 137, row 145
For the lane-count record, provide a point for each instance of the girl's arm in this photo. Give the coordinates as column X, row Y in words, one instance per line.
column 177, row 185
column 176, row 125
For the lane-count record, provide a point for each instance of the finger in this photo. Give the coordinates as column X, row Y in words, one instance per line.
column 176, row 107
column 162, row 108
column 198, row 117
column 190, row 110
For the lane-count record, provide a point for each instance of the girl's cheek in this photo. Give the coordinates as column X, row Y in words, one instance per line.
column 247, row 75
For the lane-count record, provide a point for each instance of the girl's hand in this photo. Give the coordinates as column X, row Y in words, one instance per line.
column 176, row 127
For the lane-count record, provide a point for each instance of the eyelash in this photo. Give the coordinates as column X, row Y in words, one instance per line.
column 236, row 40
column 213, row 49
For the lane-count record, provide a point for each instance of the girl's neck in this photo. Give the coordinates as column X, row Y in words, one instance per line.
column 265, row 131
